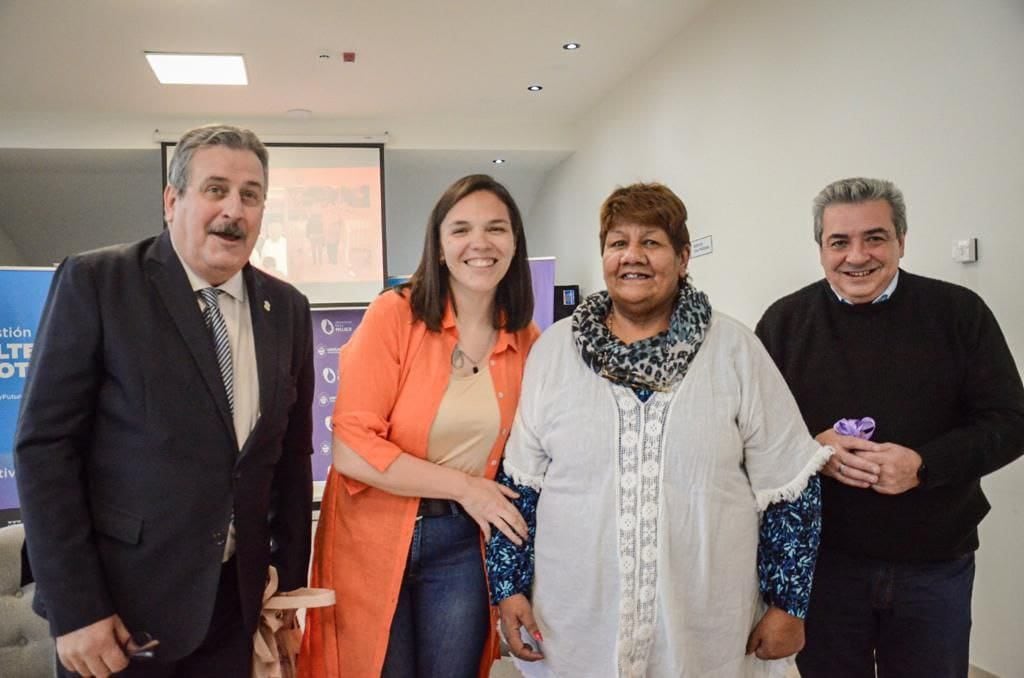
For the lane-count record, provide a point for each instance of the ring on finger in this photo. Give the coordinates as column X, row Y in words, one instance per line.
column 841, row 467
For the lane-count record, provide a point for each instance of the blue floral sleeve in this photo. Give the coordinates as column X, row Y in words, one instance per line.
column 788, row 549
column 510, row 567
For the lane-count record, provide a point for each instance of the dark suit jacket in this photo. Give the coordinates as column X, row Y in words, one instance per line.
column 127, row 465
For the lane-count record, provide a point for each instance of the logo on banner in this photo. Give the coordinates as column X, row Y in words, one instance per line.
column 327, row 326
column 14, row 355
column 330, row 376
column 327, row 423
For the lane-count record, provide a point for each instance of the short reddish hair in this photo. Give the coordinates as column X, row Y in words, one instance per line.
column 649, row 205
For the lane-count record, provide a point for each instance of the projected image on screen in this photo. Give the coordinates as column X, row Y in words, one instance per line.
column 323, row 228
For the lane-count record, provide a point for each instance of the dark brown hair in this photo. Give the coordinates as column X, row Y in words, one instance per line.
column 649, row 205
column 513, row 300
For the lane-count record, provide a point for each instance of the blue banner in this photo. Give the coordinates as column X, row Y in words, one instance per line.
column 22, row 295
column 332, row 328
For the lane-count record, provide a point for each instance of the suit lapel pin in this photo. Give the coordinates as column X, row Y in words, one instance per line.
column 266, row 305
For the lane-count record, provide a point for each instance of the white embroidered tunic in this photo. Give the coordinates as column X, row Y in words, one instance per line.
column 647, row 523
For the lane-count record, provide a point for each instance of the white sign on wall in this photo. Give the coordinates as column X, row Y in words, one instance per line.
column 701, row 246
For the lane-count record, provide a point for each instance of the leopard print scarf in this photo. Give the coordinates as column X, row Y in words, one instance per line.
column 657, row 363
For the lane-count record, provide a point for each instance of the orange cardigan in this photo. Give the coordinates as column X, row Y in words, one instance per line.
column 393, row 375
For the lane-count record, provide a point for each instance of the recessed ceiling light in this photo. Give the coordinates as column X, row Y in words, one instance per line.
column 198, row 69
column 535, row 88
column 571, row 45
column 499, row 161
column 299, row 113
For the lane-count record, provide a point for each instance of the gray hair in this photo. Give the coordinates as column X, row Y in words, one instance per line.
column 859, row 189
column 213, row 135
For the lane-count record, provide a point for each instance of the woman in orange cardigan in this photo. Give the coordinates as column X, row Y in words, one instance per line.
column 428, row 390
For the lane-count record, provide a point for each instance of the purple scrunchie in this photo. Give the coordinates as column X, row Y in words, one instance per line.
column 858, row 428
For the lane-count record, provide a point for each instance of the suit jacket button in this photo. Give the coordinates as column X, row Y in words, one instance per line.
column 23, row 641
column 19, row 593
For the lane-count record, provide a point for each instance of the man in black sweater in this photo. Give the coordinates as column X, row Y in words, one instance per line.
column 927, row 361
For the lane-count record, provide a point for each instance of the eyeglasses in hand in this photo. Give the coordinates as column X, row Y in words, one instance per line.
column 140, row 646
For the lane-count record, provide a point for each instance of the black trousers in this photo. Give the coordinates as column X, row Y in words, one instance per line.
column 226, row 651
column 871, row 618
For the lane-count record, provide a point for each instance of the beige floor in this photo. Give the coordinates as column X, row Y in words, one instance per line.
column 505, row 669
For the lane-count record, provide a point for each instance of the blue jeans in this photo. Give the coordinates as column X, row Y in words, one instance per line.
column 913, row 619
column 443, row 619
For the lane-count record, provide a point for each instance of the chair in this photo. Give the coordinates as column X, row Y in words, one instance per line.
column 26, row 649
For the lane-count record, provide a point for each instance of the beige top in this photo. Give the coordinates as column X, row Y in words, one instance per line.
column 466, row 424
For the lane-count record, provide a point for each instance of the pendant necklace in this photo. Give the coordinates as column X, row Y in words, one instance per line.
column 460, row 357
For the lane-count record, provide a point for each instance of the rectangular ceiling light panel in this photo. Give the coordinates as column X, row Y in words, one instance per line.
column 198, row 69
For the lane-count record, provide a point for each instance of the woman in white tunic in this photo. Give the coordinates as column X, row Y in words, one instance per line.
column 666, row 474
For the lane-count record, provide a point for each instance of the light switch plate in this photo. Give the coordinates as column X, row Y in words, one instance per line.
column 965, row 250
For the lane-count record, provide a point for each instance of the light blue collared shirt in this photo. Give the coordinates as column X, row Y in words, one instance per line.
column 884, row 296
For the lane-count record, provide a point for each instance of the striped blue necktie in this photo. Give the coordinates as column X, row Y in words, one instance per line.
column 219, row 330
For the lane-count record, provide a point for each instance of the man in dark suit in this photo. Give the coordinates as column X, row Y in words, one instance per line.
column 163, row 449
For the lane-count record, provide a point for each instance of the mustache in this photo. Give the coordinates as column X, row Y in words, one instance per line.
column 231, row 229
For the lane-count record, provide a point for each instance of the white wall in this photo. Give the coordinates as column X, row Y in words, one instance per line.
column 755, row 106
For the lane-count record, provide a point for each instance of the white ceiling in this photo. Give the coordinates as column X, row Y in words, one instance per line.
column 419, row 60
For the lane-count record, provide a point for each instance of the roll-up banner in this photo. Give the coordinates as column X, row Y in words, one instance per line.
column 22, row 295
column 332, row 328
